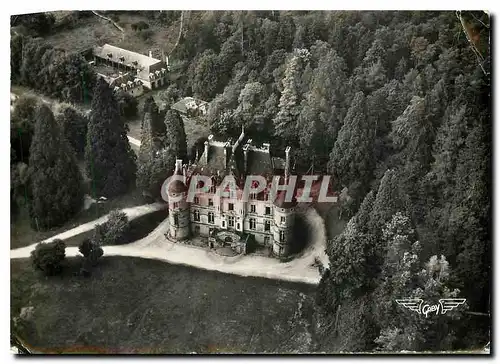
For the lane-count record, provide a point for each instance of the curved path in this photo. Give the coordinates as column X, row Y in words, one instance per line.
column 156, row 246
column 132, row 213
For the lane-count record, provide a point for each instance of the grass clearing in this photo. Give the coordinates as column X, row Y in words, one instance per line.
column 133, row 305
column 90, row 31
column 23, row 234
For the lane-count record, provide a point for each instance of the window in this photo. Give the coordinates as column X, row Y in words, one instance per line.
column 231, row 221
column 267, row 225
column 196, row 200
column 252, row 224
column 196, row 229
column 230, row 206
column 282, row 236
column 196, row 215
column 253, row 196
column 238, row 226
column 176, row 205
column 210, row 217
column 176, row 220
column 252, row 209
column 283, row 219
column 266, row 240
column 212, row 188
column 210, row 202
column 268, row 210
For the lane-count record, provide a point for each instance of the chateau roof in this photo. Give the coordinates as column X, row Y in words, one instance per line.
column 259, row 163
column 280, row 201
column 177, row 186
column 240, row 159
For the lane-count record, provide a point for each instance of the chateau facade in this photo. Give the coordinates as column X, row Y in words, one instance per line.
column 222, row 219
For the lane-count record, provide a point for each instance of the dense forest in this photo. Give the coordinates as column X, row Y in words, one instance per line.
column 395, row 106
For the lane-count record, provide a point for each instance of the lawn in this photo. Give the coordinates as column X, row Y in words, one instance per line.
column 23, row 234
column 91, row 31
column 133, row 305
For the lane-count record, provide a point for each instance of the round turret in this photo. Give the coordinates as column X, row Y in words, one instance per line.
column 284, row 218
column 178, row 207
column 176, row 187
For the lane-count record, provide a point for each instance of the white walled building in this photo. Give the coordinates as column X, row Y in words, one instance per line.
column 133, row 71
column 269, row 223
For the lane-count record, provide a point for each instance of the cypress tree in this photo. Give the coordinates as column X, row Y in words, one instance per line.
column 74, row 127
column 176, row 135
column 56, row 182
column 156, row 159
column 351, row 158
column 109, row 159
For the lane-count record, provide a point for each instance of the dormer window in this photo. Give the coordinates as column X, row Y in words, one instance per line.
column 110, row 55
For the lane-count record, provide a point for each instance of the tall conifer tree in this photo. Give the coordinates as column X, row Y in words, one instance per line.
column 56, row 182
column 109, row 159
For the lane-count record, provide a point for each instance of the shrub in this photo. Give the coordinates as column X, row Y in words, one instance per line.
column 113, row 231
column 141, row 25
column 127, row 104
column 146, row 34
column 48, row 257
column 91, row 251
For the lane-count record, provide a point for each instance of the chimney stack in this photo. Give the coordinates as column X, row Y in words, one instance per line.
column 150, row 54
column 287, row 162
column 226, row 158
column 178, row 166
column 184, row 173
column 207, row 145
column 245, row 155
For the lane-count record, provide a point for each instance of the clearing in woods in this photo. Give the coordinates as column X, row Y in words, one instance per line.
column 133, row 305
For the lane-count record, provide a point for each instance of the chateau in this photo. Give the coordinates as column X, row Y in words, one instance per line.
column 232, row 221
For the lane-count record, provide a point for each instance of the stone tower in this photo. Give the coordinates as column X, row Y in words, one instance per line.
column 282, row 227
column 178, row 212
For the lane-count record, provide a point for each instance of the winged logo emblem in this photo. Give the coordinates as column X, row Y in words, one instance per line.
column 448, row 304
column 414, row 304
